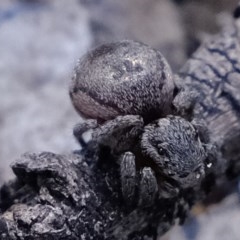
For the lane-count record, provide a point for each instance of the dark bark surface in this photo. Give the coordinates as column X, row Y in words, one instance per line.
column 213, row 72
column 74, row 197
column 63, row 197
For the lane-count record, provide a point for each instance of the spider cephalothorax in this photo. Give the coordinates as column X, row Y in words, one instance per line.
column 174, row 146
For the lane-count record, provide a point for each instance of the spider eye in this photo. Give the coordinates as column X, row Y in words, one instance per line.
column 161, row 151
column 183, row 175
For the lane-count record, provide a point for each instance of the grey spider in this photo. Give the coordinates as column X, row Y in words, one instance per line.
column 126, row 91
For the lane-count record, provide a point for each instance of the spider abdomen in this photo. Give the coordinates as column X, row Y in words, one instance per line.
column 122, row 78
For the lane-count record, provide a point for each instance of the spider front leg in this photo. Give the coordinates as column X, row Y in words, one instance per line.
column 184, row 102
column 129, row 180
column 184, row 99
column 119, row 134
column 202, row 130
column 80, row 128
column 128, row 176
column 148, row 187
column 213, row 153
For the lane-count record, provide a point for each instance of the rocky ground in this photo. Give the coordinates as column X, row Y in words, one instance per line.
column 41, row 40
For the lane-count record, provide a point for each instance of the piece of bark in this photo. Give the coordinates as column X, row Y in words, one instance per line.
column 75, row 197
column 71, row 197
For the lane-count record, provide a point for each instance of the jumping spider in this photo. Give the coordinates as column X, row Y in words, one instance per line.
column 127, row 91
column 162, row 157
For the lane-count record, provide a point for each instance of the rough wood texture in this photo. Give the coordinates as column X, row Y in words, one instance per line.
column 214, row 72
column 63, row 197
column 74, row 197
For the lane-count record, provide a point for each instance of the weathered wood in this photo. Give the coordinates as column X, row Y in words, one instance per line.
column 214, row 73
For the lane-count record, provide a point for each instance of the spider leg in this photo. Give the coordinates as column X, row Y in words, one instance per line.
column 203, row 130
column 128, row 176
column 167, row 190
column 182, row 210
column 120, row 134
column 184, row 99
column 80, row 128
column 148, row 187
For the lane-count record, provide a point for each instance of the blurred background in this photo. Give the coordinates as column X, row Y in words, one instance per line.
column 41, row 40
